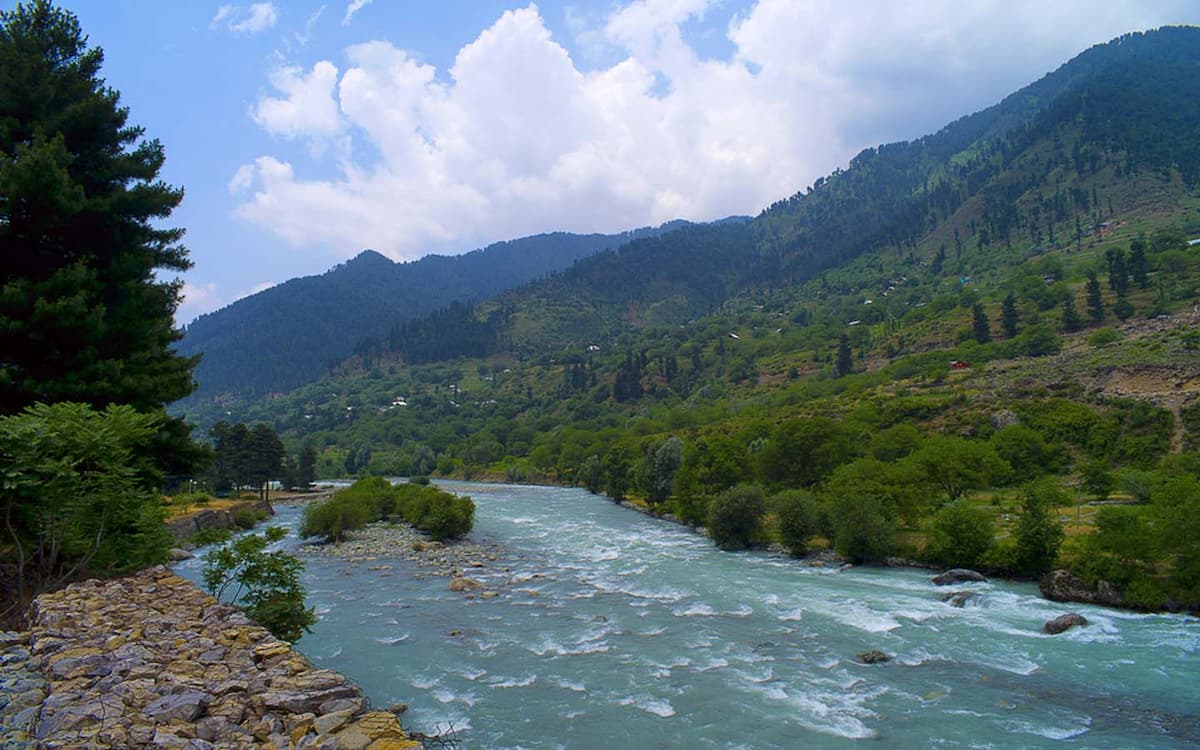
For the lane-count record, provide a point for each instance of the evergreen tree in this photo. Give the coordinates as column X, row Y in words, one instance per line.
column 1138, row 266
column 1095, row 299
column 981, row 328
column 1010, row 320
column 1071, row 321
column 845, row 362
column 82, row 315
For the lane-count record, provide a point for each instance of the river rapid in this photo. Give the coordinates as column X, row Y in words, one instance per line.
column 613, row 629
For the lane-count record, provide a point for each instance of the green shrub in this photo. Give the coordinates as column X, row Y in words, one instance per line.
column 960, row 535
column 205, row 537
column 265, row 584
column 864, row 525
column 799, row 519
column 735, row 516
column 244, row 518
column 1102, row 337
column 441, row 514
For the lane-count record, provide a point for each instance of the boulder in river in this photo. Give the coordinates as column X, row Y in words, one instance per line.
column 1063, row 623
column 959, row 575
column 462, row 583
column 1063, row 586
column 874, row 656
column 959, row 598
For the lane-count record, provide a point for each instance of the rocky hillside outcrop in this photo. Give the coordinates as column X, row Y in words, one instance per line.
column 150, row 661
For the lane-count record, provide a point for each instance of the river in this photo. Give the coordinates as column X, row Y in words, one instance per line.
column 615, row 630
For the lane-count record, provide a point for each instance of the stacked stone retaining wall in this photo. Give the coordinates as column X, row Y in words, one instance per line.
column 150, row 661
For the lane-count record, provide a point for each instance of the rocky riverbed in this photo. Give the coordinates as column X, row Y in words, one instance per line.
column 150, row 661
column 383, row 543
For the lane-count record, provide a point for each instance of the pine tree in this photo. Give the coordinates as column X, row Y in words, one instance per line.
column 82, row 315
column 1071, row 321
column 1138, row 267
column 1095, row 299
column 1010, row 320
column 845, row 362
column 981, row 327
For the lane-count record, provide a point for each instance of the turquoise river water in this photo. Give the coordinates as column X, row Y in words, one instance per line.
column 613, row 629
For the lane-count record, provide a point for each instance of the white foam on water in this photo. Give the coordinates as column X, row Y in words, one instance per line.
column 793, row 614
column 513, row 682
column 658, row 706
column 858, row 616
column 574, row 687
column 716, row 663
column 699, row 609
column 653, row 631
column 442, row 695
column 1049, row 732
column 471, row 674
column 393, row 640
column 424, row 683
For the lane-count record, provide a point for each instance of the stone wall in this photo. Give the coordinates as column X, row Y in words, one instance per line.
column 152, row 661
column 214, row 518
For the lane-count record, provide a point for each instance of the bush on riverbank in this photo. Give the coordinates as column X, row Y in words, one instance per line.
column 440, row 514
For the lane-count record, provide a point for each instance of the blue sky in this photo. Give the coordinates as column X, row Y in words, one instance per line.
column 304, row 132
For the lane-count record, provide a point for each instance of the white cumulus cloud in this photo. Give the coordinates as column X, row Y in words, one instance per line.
column 516, row 137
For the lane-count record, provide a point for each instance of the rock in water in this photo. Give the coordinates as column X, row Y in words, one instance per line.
column 959, row 575
column 874, row 656
column 1063, row 623
column 959, row 598
column 178, row 554
column 1062, row 586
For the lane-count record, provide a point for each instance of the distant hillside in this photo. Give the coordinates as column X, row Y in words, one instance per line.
column 1040, row 169
column 290, row 334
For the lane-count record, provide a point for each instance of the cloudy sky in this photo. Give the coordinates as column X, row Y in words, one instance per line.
column 304, row 132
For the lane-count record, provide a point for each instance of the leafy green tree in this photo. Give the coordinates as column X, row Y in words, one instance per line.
column 735, row 516
column 1176, row 510
column 956, row 465
column 266, row 584
column 590, row 474
column 1027, row 452
column 82, row 314
column 980, row 327
column 265, row 459
column 73, row 499
column 662, row 464
column 864, row 525
column 799, row 519
column 1098, row 481
column 711, row 463
column 895, row 442
column 1039, row 533
column 1010, row 319
column 801, row 452
column 960, row 534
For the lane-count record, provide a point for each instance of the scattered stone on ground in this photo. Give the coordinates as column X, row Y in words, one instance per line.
column 874, row 656
column 150, row 661
column 380, row 542
column 1063, row 623
column 959, row 575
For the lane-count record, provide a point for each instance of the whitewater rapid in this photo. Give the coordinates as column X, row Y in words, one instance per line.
column 613, row 629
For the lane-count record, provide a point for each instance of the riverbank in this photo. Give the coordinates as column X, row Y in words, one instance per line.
column 150, row 661
column 382, row 541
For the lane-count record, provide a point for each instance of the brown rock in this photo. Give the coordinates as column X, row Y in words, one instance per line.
column 1063, row 623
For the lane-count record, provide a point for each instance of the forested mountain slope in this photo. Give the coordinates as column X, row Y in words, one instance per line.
column 289, row 334
column 1043, row 168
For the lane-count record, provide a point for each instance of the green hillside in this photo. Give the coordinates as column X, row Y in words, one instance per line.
column 882, row 363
